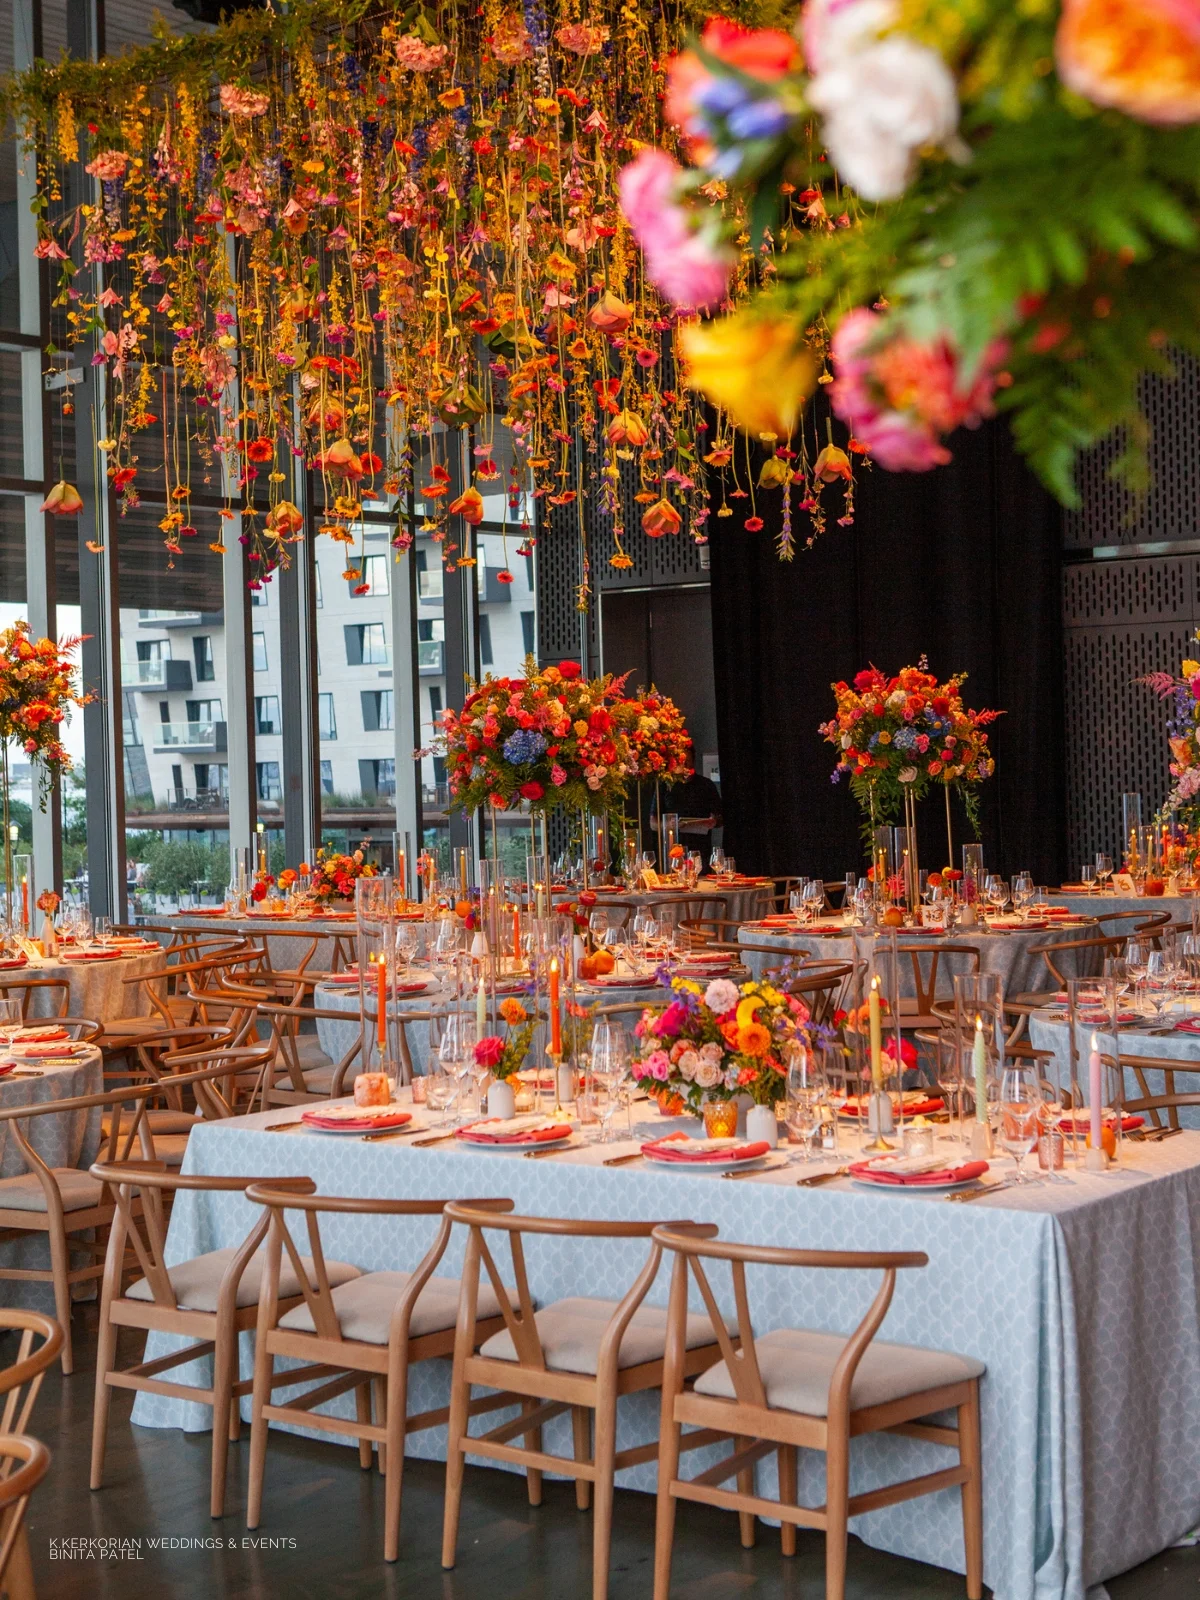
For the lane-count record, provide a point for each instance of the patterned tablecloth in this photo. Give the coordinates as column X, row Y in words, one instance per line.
column 1096, row 905
column 1091, row 1404
column 731, row 902
column 99, row 989
column 1005, row 953
column 69, row 1140
column 1047, row 1033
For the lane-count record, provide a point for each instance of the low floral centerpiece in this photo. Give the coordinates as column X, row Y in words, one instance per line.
column 551, row 738
column 714, row 1042
column 504, row 1054
column 335, row 873
column 899, row 737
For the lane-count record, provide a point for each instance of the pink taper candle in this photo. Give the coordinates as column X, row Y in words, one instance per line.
column 1094, row 1096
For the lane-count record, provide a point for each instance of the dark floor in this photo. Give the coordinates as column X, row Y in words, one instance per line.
column 327, row 1515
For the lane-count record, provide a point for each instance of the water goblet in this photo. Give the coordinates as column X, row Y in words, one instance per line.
column 1087, row 874
column 1020, row 1109
column 717, row 860
column 1104, row 868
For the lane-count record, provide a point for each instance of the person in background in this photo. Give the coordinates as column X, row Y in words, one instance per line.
column 697, row 803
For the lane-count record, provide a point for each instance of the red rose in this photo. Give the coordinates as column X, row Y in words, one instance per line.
column 488, row 1051
column 259, row 892
column 569, row 669
column 532, row 790
column 600, row 721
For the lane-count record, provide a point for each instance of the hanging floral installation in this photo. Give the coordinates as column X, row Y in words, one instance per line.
column 327, row 241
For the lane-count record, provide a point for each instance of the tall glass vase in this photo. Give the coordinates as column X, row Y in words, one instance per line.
column 979, row 1031
column 375, row 908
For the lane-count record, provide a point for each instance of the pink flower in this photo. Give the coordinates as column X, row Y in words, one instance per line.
column 721, row 996
column 416, row 56
column 657, row 1066
column 238, row 102
column 108, row 165
column 683, row 261
column 672, row 1020
column 489, row 1050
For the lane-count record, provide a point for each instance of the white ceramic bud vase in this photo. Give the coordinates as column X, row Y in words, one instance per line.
column 761, row 1125
column 49, row 937
column 501, row 1100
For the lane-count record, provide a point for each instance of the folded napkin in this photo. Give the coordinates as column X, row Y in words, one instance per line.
column 1083, row 1122
column 93, row 955
column 13, row 961
column 514, row 1130
column 683, row 1149
column 48, row 1035
column 1188, row 1025
column 48, row 1052
column 357, row 1116
column 916, row 1170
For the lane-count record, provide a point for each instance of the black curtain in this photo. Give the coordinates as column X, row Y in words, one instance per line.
column 962, row 565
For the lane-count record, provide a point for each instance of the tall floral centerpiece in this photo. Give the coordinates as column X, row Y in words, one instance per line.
column 716, row 1041
column 899, row 737
column 1182, row 689
column 38, row 686
column 335, row 872
column 659, row 743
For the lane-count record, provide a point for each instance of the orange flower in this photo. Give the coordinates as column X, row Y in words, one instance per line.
column 627, row 428
column 341, row 458
column 754, row 1039
column 513, row 1012
column 1140, row 56
column 661, row 518
column 468, row 506
column 609, row 314
column 285, row 518
column 832, row 463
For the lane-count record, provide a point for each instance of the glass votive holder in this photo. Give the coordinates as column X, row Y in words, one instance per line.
column 372, row 1089
column 1051, row 1149
column 418, row 1090
column 918, row 1138
column 720, row 1119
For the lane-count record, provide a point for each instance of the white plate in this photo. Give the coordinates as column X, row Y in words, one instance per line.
column 521, row 1147
column 709, row 1166
column 359, row 1127
column 910, row 1188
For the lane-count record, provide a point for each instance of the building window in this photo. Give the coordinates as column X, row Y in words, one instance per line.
column 485, row 640
column 268, row 780
column 213, row 778
column 376, row 710
column 435, row 702
column 266, row 714
column 527, row 632
column 203, row 710
column 258, row 597
column 377, row 777
column 529, row 572
column 260, row 652
column 327, row 719
column 202, row 650
column 366, row 645
column 154, row 650
column 327, row 777
column 374, row 580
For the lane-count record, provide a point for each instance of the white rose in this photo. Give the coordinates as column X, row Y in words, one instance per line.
column 881, row 104
column 847, row 741
column 707, row 1075
column 830, row 28
column 688, row 1063
column 907, row 775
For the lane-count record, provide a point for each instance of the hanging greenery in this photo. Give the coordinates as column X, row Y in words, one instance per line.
column 315, row 241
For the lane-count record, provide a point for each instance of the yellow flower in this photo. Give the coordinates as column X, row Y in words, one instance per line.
column 1191, row 668
column 755, row 368
column 580, row 729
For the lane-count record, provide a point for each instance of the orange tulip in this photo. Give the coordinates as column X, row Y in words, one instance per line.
column 832, row 463
column 627, row 428
column 609, row 314
column 284, row 518
column 468, row 506
column 64, row 500
column 341, row 459
column 661, row 518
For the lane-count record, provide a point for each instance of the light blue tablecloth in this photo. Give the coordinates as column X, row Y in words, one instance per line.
column 1080, row 1298
column 1048, row 1034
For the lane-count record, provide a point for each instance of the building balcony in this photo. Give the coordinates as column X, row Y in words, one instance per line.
column 169, row 677
column 190, row 737
column 431, row 658
column 158, row 620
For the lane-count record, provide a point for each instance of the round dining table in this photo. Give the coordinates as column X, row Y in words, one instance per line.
column 101, row 986
column 1145, row 1035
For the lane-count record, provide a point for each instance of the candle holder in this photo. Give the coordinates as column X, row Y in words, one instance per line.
column 1092, row 1005
column 555, row 1058
column 979, row 1033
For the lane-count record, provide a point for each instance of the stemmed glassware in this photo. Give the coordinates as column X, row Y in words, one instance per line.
column 1022, row 893
column 997, row 892
column 10, row 1022
column 1157, row 983
column 1137, row 962
column 950, row 1080
column 611, row 1062
column 1087, row 874
column 103, row 931
column 1104, row 868
column 813, row 899
column 807, row 1095
column 1020, row 1112
column 456, row 1053
column 717, row 860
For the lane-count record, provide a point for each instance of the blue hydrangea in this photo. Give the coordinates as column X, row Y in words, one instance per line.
column 524, row 746
column 905, row 739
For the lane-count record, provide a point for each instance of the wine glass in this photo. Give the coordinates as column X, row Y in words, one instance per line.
column 717, row 860
column 1137, row 960
column 406, row 944
column 1104, row 868
column 440, row 1090
column 102, row 927
column 1157, row 982
column 950, row 1078
column 1087, row 875
column 598, row 925
column 1020, row 1108
column 813, row 899
column 456, row 1052
column 997, row 892
column 10, row 1022
column 612, row 1062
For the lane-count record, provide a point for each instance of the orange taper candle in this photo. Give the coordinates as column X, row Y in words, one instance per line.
column 555, row 1019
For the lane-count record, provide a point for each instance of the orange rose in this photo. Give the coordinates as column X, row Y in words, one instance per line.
column 1139, row 56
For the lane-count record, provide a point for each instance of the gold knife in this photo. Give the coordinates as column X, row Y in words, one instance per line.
column 442, row 1138
column 821, row 1177
column 621, row 1161
column 282, row 1127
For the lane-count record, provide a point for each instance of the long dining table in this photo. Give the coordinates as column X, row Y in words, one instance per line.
column 1079, row 1298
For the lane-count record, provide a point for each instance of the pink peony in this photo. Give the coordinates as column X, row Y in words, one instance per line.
column 687, row 267
column 672, row 1020
column 721, row 996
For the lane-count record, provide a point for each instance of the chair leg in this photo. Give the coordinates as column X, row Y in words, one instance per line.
column 745, row 1483
column 224, row 1359
column 533, row 1441
column 603, row 1455
column 460, row 1400
column 971, row 1456
column 664, row 1520
column 393, row 1409
column 837, row 1495
column 581, row 1427
column 60, row 1266
column 106, row 1355
column 379, row 1390
column 264, row 1371
column 18, row 1575
column 362, row 1406
column 787, row 1494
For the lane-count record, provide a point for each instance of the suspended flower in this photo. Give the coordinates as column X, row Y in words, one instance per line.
column 627, row 428
column 609, row 314
column 108, row 165
column 468, row 506
column 414, row 55
column 284, row 518
column 64, row 500
column 752, row 366
column 582, row 38
column 661, row 518
column 832, row 463
column 239, row 102
column 341, row 459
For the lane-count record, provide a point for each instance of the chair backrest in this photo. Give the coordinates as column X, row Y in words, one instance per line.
column 718, row 932
column 926, row 963
column 821, row 985
column 692, row 1249
column 82, row 1029
column 285, row 1021
column 315, row 1286
column 56, row 991
column 22, row 1378
column 25, row 1463
column 1086, row 956
column 519, row 1318
column 1154, row 1102
column 145, row 1231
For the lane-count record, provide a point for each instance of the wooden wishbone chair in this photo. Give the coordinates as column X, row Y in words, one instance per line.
column 575, row 1355
column 19, row 1385
column 360, row 1336
column 918, row 1010
column 17, row 1483
column 1153, row 1102
column 798, row 1389
column 55, row 991
column 211, row 1299
column 1068, row 958
column 822, row 986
